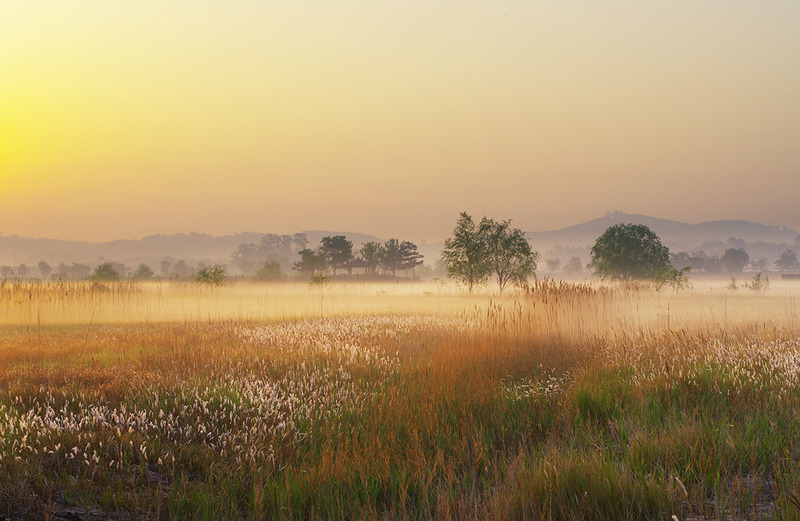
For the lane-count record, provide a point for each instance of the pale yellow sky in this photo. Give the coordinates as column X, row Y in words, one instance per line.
column 124, row 119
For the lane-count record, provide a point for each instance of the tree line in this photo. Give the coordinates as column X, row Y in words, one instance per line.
column 335, row 253
column 474, row 253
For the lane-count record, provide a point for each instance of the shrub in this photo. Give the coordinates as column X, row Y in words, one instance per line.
column 105, row 273
column 212, row 275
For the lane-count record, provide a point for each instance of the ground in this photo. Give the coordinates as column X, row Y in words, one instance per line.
column 398, row 401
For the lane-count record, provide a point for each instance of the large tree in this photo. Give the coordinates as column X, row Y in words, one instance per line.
column 574, row 266
column 410, row 257
column 787, row 261
column 338, row 250
column 105, row 272
column 310, row 262
column 629, row 251
column 143, row 272
column 44, row 269
column 271, row 270
column 734, row 260
column 508, row 252
column 465, row 253
column 392, row 257
column 372, row 252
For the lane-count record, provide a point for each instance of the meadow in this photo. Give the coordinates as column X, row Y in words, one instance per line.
column 565, row 400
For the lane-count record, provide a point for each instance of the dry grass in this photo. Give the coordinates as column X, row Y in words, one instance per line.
column 398, row 402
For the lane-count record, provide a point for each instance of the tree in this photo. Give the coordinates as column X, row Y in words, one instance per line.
column 372, row 252
column 695, row 261
column 75, row 271
column 574, row 266
column 672, row 277
column 392, row 257
column 211, row 275
column 759, row 264
column 181, row 270
column 44, row 269
column 734, row 260
column 271, row 270
column 465, row 253
column 105, row 273
column 23, row 271
column 787, row 261
column 508, row 252
column 410, row 257
column 280, row 248
column 553, row 264
column 310, row 262
column 143, row 272
column 629, row 251
column 166, row 266
column 712, row 265
column 338, row 250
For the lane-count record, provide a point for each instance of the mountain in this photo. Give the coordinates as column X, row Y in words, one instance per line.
column 713, row 237
column 151, row 250
column 573, row 241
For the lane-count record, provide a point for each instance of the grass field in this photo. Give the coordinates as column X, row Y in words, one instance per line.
column 398, row 401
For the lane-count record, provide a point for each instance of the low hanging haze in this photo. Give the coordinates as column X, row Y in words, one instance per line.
column 125, row 119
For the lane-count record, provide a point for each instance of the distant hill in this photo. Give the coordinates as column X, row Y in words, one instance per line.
column 713, row 236
column 194, row 247
column 16, row 250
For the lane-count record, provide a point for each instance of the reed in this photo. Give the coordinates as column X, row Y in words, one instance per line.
column 414, row 401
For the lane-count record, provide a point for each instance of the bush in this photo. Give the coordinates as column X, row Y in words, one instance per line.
column 759, row 282
column 270, row 271
column 212, row 275
column 672, row 277
column 105, row 273
column 143, row 272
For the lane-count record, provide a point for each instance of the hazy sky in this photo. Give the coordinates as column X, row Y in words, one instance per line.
column 124, row 119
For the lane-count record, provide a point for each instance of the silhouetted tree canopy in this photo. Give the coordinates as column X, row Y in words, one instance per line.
column 271, row 270
column 44, row 269
column 410, row 257
column 143, row 272
column 788, row 261
column 105, row 273
column 465, row 253
column 629, row 251
column 574, row 266
column 392, row 257
column 212, row 275
column 372, row 253
column 181, row 270
column 337, row 250
column 74, row 271
column 281, row 248
column 509, row 254
column 310, row 262
column 734, row 260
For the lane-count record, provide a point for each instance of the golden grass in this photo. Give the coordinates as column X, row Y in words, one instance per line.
column 611, row 308
column 158, row 302
column 399, row 401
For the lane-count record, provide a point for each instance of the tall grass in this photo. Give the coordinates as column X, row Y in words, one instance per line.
column 564, row 401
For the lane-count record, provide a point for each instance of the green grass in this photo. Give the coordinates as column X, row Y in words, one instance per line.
column 425, row 419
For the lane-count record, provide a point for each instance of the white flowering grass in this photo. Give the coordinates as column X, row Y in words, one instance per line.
column 564, row 401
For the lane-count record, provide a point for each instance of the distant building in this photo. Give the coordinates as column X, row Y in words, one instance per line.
column 358, row 263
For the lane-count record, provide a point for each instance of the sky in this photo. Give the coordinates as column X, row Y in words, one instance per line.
column 126, row 119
